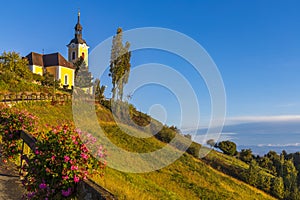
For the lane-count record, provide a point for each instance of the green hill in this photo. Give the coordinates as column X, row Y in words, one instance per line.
column 187, row 178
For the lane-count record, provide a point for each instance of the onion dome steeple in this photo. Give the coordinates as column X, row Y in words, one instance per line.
column 78, row 27
column 78, row 33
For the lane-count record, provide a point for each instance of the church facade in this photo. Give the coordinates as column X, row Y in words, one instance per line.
column 55, row 64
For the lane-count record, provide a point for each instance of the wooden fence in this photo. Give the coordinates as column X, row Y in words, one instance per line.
column 86, row 190
column 10, row 98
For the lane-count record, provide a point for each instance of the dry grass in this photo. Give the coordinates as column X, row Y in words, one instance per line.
column 187, row 178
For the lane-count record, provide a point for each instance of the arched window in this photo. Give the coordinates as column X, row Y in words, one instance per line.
column 82, row 55
column 66, row 79
column 73, row 55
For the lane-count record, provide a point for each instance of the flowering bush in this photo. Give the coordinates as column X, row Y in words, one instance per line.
column 60, row 160
column 12, row 121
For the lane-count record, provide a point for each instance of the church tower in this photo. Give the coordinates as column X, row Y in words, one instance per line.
column 77, row 47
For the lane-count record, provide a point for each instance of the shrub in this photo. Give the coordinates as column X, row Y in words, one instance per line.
column 194, row 149
column 246, row 155
column 227, row 147
column 165, row 135
column 12, row 121
column 61, row 159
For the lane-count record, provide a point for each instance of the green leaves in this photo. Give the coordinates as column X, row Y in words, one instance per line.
column 13, row 62
column 12, row 121
column 119, row 65
column 99, row 91
column 14, row 71
column 246, row 155
column 227, row 147
column 60, row 161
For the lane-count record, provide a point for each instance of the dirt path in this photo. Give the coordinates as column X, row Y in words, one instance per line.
column 10, row 184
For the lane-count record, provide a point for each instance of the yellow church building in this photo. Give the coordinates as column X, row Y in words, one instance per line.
column 56, row 64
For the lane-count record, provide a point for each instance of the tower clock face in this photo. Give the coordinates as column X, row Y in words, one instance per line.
column 72, row 45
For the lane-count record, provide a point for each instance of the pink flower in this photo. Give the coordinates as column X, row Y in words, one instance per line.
column 85, row 173
column 76, row 179
column 101, row 155
column 66, row 158
column 74, row 167
column 43, row 186
column 84, row 156
column 65, row 177
column 53, row 158
column 100, row 152
column 30, row 195
column 73, row 138
column 66, row 193
column 37, row 152
column 84, row 149
column 78, row 131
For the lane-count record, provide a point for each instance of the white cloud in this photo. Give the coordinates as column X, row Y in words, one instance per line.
column 280, row 145
column 274, row 118
column 276, row 124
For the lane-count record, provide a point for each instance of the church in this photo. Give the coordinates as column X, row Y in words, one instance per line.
column 56, row 64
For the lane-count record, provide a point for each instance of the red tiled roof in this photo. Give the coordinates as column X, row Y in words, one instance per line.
column 55, row 59
column 46, row 60
column 35, row 59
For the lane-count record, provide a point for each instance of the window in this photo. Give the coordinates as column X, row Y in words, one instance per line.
column 82, row 55
column 66, row 79
column 73, row 55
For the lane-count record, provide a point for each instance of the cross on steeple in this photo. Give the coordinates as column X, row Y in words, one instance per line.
column 77, row 48
column 78, row 28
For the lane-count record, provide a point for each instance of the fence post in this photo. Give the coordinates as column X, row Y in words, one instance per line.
column 21, row 159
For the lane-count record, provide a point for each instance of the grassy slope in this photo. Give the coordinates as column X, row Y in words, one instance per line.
column 187, row 178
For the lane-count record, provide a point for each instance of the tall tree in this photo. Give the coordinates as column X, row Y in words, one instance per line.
column 119, row 65
column 13, row 63
column 277, row 187
column 277, row 162
column 264, row 183
column 246, row 155
column 99, row 91
column 253, row 174
column 289, row 178
column 211, row 142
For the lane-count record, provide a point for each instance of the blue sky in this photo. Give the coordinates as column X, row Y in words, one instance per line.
column 255, row 44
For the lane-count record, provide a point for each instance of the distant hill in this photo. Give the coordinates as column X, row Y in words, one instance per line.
column 263, row 136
